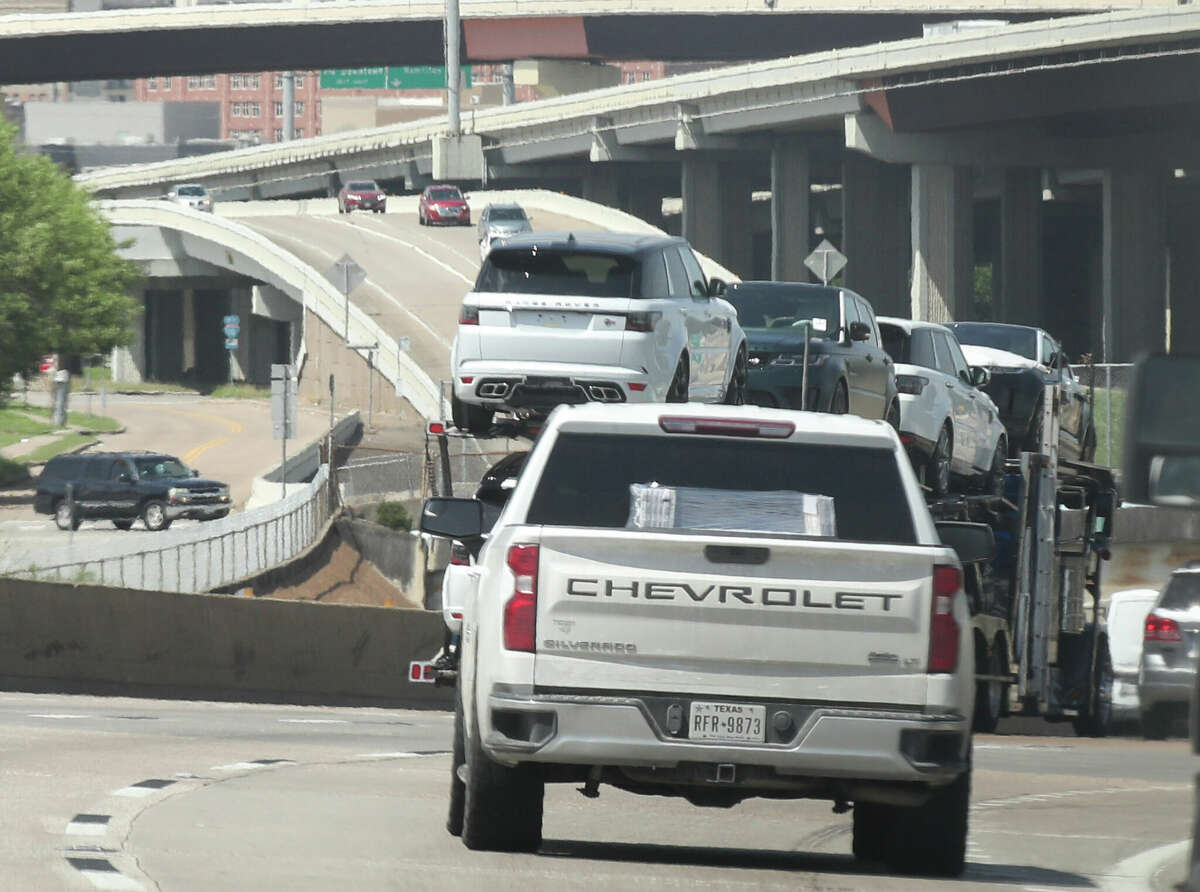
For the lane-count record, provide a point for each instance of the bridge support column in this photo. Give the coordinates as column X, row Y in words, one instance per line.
column 735, row 214
column 189, row 330
column 1134, row 264
column 1184, row 240
column 1018, row 289
column 644, row 197
column 876, row 237
column 701, row 205
column 601, row 185
column 791, row 224
column 942, row 242
column 129, row 363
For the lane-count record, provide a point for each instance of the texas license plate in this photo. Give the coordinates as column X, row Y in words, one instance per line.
column 737, row 722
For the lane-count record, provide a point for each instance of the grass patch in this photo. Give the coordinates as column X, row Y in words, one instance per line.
column 59, row 446
column 16, row 425
column 79, row 419
column 1102, row 425
column 93, row 375
column 240, row 392
column 393, row 515
column 11, row 471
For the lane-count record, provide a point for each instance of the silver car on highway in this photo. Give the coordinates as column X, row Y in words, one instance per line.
column 1170, row 648
column 501, row 221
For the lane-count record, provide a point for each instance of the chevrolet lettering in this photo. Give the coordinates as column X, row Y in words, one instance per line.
column 715, row 603
column 767, row 596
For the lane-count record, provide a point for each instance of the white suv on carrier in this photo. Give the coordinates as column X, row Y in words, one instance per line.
column 592, row 317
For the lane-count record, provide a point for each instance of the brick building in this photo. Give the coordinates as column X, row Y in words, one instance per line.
column 251, row 103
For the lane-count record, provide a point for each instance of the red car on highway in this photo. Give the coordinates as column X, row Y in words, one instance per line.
column 361, row 195
column 443, row 204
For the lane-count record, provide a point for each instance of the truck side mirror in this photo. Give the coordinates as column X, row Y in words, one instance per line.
column 859, row 331
column 716, row 287
column 1162, row 439
column 452, row 518
column 980, row 376
column 973, row 542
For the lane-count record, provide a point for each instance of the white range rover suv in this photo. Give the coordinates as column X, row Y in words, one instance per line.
column 950, row 427
column 717, row 603
column 592, row 317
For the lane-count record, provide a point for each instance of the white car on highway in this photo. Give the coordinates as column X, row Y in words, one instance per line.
column 950, row 427
column 592, row 317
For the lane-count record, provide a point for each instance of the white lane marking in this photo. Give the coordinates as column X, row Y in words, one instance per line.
column 250, row 766
column 1029, row 833
column 56, row 715
column 111, row 880
column 136, row 792
column 386, row 294
column 315, row 721
column 399, row 241
column 473, row 262
column 1134, row 874
column 75, row 828
column 1069, row 794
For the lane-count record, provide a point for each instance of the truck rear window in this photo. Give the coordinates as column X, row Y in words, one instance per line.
column 587, row 478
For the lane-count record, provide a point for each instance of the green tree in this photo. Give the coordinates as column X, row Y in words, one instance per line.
column 63, row 288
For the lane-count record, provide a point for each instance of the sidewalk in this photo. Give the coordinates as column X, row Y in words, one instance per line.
column 29, row 444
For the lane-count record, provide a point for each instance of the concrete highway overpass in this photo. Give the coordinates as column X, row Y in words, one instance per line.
column 1055, row 152
column 355, row 33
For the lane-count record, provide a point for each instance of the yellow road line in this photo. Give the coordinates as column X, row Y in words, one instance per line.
column 192, row 454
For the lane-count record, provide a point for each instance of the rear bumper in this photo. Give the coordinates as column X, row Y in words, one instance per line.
column 1159, row 685
column 540, row 386
column 827, row 742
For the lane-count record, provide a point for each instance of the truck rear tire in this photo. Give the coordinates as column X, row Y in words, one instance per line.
column 931, row 839
column 1156, row 724
column 458, row 790
column 502, row 810
column 990, row 696
column 871, row 820
column 1096, row 719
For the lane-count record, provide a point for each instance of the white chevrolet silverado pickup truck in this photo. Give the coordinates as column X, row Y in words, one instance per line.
column 717, row 603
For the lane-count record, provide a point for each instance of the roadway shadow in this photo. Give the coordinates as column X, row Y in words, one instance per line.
column 796, row 862
column 19, row 494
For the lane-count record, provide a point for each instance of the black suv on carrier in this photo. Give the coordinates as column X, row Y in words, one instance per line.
column 123, row 486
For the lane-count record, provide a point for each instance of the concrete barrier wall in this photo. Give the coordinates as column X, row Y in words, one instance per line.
column 87, row 638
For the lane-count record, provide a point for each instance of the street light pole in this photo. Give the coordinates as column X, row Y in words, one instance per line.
column 453, row 73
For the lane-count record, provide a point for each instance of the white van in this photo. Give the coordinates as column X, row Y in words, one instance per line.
column 1126, row 621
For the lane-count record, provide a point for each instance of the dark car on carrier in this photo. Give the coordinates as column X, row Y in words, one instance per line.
column 848, row 369
column 125, row 486
column 1022, row 360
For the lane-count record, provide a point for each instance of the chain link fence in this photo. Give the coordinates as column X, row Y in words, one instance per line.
column 1110, row 382
column 192, row 559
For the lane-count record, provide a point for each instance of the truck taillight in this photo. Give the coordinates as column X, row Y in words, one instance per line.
column 911, row 384
column 520, row 613
column 1161, row 628
column 459, row 555
column 468, row 316
column 943, row 628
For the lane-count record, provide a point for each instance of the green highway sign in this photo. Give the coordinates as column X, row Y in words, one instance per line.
column 354, row 79
column 400, row 77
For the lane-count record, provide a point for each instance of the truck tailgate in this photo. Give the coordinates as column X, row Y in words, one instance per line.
column 740, row 616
